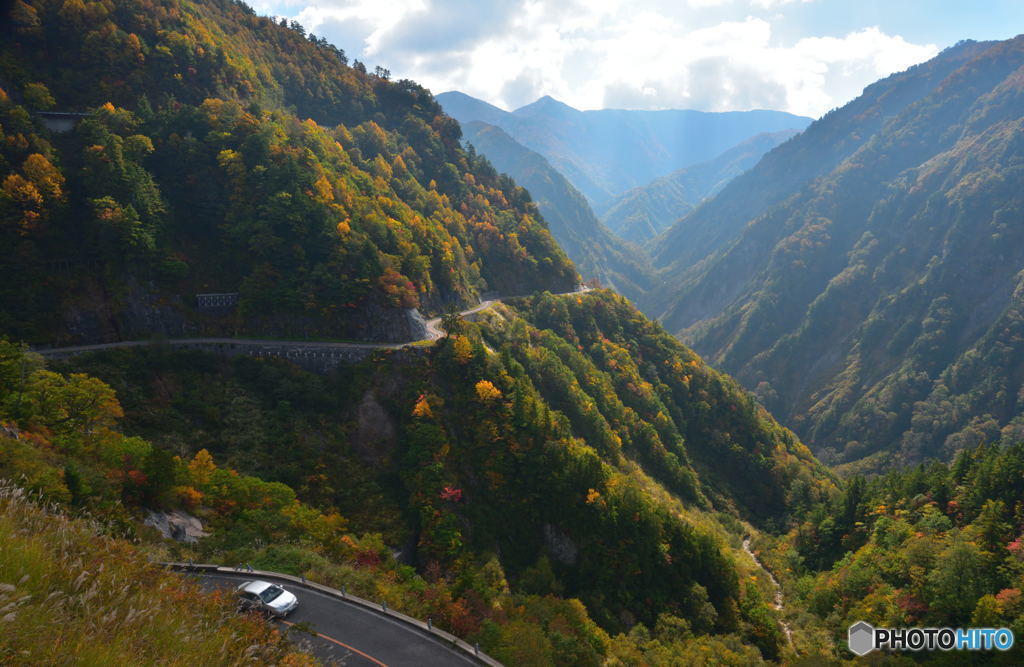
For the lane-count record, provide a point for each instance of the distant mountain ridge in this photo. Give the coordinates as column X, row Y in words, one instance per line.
column 642, row 213
column 867, row 277
column 596, row 252
column 553, row 473
column 603, row 153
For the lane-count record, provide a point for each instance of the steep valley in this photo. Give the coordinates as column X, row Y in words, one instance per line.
column 542, row 470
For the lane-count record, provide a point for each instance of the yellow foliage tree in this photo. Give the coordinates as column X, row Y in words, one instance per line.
column 73, row 405
column 25, row 196
column 487, row 392
column 44, row 176
column 202, row 467
column 462, row 349
column 323, row 189
column 422, row 408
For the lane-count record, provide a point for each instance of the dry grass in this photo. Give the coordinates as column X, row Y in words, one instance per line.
column 70, row 595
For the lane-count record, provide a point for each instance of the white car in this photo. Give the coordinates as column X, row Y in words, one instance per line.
column 267, row 597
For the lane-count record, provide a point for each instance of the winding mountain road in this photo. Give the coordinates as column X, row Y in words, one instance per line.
column 342, row 631
column 434, row 330
column 433, row 327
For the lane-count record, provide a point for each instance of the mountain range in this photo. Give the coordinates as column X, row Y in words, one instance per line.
column 595, row 251
column 605, row 152
column 864, row 277
column 635, row 215
column 541, row 480
column 640, row 214
column 557, row 478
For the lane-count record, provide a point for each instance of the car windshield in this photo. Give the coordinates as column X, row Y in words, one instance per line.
column 271, row 594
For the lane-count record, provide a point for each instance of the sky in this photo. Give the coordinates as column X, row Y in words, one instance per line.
column 801, row 56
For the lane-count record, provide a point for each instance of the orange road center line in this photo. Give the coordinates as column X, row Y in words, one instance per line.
column 339, row 643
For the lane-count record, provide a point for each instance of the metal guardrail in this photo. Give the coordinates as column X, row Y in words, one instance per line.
column 425, row 627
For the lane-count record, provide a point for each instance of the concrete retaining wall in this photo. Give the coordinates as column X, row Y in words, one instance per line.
column 319, row 358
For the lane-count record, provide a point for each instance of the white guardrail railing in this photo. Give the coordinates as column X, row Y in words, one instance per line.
column 425, row 627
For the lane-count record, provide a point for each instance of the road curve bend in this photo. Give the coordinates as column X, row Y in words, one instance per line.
column 348, row 629
column 434, row 332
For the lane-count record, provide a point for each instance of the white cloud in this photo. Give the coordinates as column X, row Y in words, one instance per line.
column 353, row 25
column 836, row 70
column 596, row 53
column 704, row 4
column 758, row 4
column 772, row 4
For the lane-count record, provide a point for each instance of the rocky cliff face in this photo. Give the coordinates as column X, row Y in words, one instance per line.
column 139, row 311
column 372, row 322
column 177, row 525
column 95, row 315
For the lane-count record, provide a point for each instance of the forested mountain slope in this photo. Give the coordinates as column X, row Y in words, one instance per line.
column 640, row 214
column 596, row 252
column 785, row 171
column 866, row 277
column 563, row 446
column 931, row 545
column 197, row 171
column 563, row 481
column 605, row 152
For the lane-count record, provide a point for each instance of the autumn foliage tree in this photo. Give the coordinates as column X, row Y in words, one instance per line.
column 319, row 197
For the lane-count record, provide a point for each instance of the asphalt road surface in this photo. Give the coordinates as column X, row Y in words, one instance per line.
column 433, row 326
column 348, row 634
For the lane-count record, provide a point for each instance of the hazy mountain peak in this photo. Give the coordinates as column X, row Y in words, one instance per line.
column 469, row 99
column 545, row 105
column 462, row 106
column 605, row 152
